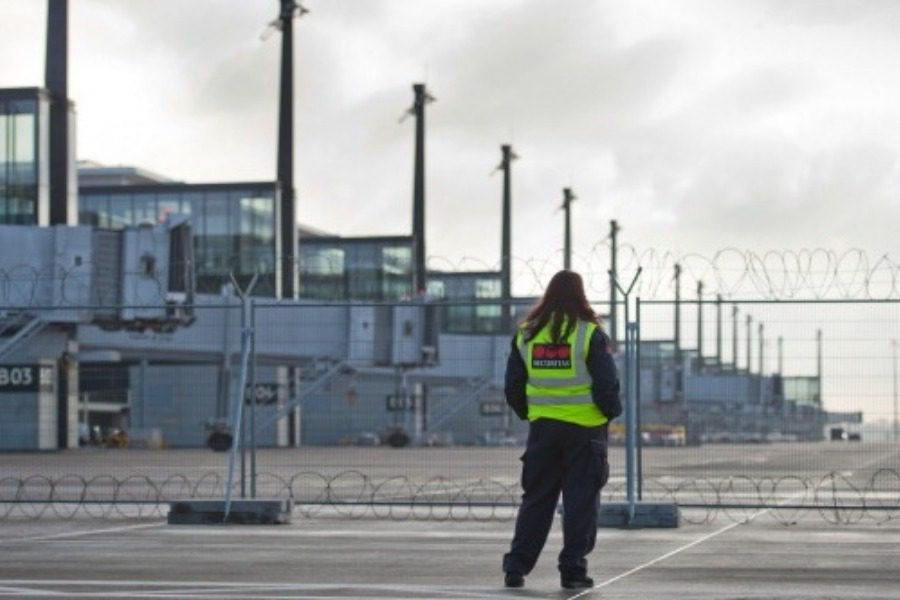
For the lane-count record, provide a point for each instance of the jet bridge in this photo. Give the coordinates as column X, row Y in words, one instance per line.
column 312, row 358
column 55, row 279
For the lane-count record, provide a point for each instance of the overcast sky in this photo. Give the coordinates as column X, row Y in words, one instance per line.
column 698, row 125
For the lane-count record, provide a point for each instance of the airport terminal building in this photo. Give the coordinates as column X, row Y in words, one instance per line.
column 120, row 309
column 343, row 381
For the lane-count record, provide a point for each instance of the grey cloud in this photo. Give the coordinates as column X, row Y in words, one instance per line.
column 353, row 12
column 820, row 13
column 747, row 96
column 243, row 82
column 562, row 70
column 216, row 61
column 762, row 193
column 194, row 28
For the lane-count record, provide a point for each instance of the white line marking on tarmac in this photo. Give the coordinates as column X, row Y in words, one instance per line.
column 700, row 540
column 251, row 595
column 657, row 559
column 71, row 534
column 255, row 591
column 19, row 591
column 344, row 533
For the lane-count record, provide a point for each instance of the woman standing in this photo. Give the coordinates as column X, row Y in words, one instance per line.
column 561, row 377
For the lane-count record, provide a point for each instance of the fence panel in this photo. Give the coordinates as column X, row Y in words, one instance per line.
column 747, row 405
column 397, row 410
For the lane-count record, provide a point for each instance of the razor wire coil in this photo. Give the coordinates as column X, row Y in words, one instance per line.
column 774, row 274
column 353, row 494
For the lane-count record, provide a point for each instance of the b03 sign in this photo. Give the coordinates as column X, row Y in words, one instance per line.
column 18, row 378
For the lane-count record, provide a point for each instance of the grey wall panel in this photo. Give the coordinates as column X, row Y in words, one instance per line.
column 293, row 333
column 470, row 356
column 49, row 343
column 452, row 414
column 19, row 421
column 180, row 401
column 725, row 389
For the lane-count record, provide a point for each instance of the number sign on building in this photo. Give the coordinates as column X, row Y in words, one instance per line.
column 19, row 378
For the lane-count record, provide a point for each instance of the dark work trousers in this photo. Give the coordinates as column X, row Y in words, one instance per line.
column 559, row 457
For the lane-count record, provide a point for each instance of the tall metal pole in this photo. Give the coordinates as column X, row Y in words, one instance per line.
column 761, row 350
column 613, row 274
column 734, row 336
column 896, row 422
column 749, row 344
column 780, row 356
column 568, row 196
column 761, row 362
column 700, row 324
column 507, row 156
column 62, row 194
column 677, row 311
column 819, row 363
column 287, row 210
column 678, row 366
column 418, row 224
column 719, row 331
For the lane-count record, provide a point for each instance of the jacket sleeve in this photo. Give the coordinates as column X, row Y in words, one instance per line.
column 516, row 378
column 605, row 376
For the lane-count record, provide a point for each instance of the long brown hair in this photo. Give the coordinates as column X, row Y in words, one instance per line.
column 564, row 301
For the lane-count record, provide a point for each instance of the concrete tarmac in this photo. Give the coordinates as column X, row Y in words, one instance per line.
column 406, row 550
column 332, row 557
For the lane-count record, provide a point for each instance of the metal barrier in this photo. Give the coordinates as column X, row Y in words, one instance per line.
column 348, row 375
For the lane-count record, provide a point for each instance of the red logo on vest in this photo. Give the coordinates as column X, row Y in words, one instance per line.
column 551, row 356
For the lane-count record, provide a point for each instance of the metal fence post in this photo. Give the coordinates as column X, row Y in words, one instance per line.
column 242, row 394
column 237, row 423
column 630, row 401
column 630, row 419
column 253, row 398
column 637, row 395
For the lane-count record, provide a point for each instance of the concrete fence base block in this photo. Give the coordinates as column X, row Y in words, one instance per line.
column 646, row 515
column 243, row 511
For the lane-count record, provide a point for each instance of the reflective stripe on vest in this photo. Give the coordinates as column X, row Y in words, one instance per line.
column 578, row 399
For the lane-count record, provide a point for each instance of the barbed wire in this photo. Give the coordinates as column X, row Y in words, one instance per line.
column 733, row 273
column 813, row 274
column 77, row 286
column 353, row 494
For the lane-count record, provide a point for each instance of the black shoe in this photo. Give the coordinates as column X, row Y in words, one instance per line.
column 576, row 582
column 514, row 580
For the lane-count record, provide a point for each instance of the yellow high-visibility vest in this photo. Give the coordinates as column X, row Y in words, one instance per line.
column 559, row 384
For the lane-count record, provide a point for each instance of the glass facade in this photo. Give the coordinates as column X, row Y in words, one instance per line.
column 379, row 269
column 802, row 390
column 373, row 268
column 24, row 148
column 235, row 225
column 468, row 318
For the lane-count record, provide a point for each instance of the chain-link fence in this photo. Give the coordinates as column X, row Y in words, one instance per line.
column 397, row 410
column 785, row 404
